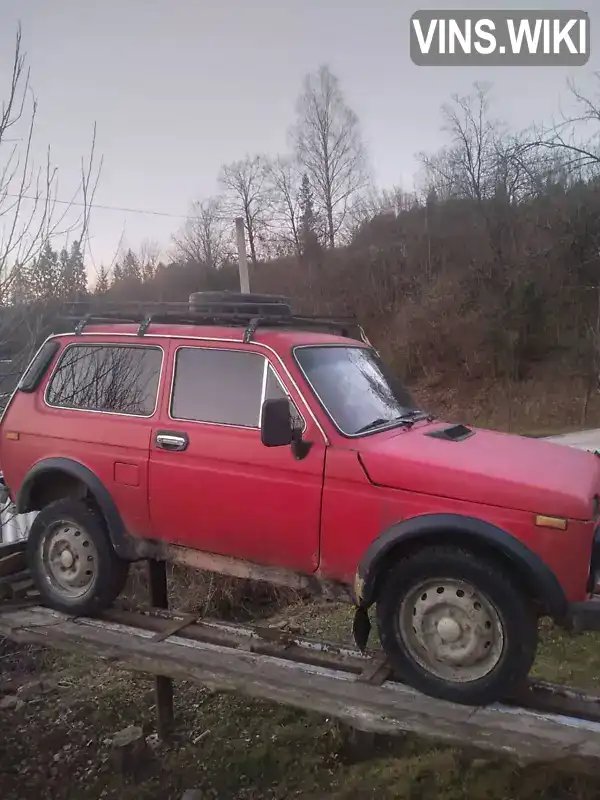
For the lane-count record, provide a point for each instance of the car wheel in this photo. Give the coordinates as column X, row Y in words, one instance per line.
column 72, row 561
column 456, row 627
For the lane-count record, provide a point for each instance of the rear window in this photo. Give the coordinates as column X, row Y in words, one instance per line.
column 112, row 378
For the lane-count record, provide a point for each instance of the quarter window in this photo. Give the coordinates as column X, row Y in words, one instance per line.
column 111, row 378
column 274, row 390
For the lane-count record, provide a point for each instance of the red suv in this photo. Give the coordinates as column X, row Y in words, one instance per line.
column 233, row 436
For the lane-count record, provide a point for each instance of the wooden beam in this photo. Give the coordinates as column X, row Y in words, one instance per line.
column 163, row 684
column 12, row 564
column 524, row 735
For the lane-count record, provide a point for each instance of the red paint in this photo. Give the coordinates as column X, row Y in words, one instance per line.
column 228, row 494
column 127, row 474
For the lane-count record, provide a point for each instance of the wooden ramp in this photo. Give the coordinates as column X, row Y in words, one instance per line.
column 388, row 708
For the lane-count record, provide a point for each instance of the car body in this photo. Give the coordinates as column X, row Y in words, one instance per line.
column 292, row 455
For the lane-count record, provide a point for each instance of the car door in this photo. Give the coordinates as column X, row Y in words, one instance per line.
column 213, row 485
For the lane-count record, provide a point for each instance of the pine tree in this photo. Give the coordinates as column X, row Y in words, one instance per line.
column 309, row 241
column 77, row 286
column 62, row 288
column 117, row 273
column 103, row 283
column 45, row 275
column 20, row 289
column 131, row 268
column 72, row 278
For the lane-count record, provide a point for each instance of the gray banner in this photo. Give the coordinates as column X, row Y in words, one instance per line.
column 500, row 38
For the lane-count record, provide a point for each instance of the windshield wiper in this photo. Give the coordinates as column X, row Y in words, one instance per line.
column 374, row 424
column 416, row 416
column 408, row 419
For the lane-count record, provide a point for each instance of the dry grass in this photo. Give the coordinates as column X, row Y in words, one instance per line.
column 550, row 402
column 212, row 595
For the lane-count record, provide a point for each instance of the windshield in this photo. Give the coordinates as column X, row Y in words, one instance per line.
column 355, row 387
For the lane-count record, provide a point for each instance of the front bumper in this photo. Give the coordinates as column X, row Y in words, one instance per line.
column 583, row 616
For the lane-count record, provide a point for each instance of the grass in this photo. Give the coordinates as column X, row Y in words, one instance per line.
column 58, row 745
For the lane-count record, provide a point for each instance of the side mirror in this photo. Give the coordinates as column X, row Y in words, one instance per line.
column 276, row 426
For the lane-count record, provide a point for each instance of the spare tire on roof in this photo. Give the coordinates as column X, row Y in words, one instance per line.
column 239, row 303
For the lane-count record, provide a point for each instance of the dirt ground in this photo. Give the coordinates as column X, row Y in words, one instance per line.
column 59, row 714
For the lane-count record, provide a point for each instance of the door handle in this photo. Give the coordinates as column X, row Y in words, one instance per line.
column 171, row 440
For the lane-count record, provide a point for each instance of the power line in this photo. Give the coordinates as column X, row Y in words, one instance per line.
column 95, row 206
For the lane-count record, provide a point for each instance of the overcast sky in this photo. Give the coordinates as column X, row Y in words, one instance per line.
column 178, row 87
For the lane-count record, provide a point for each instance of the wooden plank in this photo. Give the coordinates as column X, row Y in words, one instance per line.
column 390, row 708
column 12, row 563
column 377, row 672
column 163, row 684
column 536, row 695
column 176, row 626
column 7, row 548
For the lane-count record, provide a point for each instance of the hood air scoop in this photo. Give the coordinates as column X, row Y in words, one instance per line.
column 455, row 433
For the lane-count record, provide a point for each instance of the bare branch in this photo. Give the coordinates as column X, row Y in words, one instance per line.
column 206, row 236
column 247, row 195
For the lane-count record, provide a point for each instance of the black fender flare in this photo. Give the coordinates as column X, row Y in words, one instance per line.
column 467, row 530
column 121, row 541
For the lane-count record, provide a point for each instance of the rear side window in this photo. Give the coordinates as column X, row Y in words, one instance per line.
column 37, row 369
column 219, row 386
column 112, row 378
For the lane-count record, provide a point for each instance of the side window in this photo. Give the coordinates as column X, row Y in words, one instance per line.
column 274, row 390
column 113, row 378
column 219, row 386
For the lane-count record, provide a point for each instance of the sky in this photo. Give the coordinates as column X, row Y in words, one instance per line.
column 176, row 88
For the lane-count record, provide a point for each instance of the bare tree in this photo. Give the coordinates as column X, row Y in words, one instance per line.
column 483, row 160
column 285, row 209
column 375, row 202
column 31, row 215
column 329, row 147
column 149, row 258
column 466, row 168
column 247, row 195
column 574, row 141
column 206, row 236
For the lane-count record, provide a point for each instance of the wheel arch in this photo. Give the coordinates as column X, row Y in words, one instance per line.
column 53, row 478
column 490, row 541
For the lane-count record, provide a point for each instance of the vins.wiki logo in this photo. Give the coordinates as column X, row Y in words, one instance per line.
column 496, row 38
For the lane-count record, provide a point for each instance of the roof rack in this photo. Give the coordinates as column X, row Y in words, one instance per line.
column 249, row 311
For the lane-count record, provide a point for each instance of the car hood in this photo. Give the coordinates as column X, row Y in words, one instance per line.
column 486, row 467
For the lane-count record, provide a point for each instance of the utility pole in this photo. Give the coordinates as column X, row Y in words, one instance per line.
column 243, row 263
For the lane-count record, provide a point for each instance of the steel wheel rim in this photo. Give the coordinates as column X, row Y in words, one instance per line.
column 69, row 560
column 452, row 630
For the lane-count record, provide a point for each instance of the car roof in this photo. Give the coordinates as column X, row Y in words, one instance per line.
column 278, row 338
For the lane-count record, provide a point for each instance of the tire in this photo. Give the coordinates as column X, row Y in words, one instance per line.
column 260, row 304
column 493, row 620
column 71, row 527
column 202, row 298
